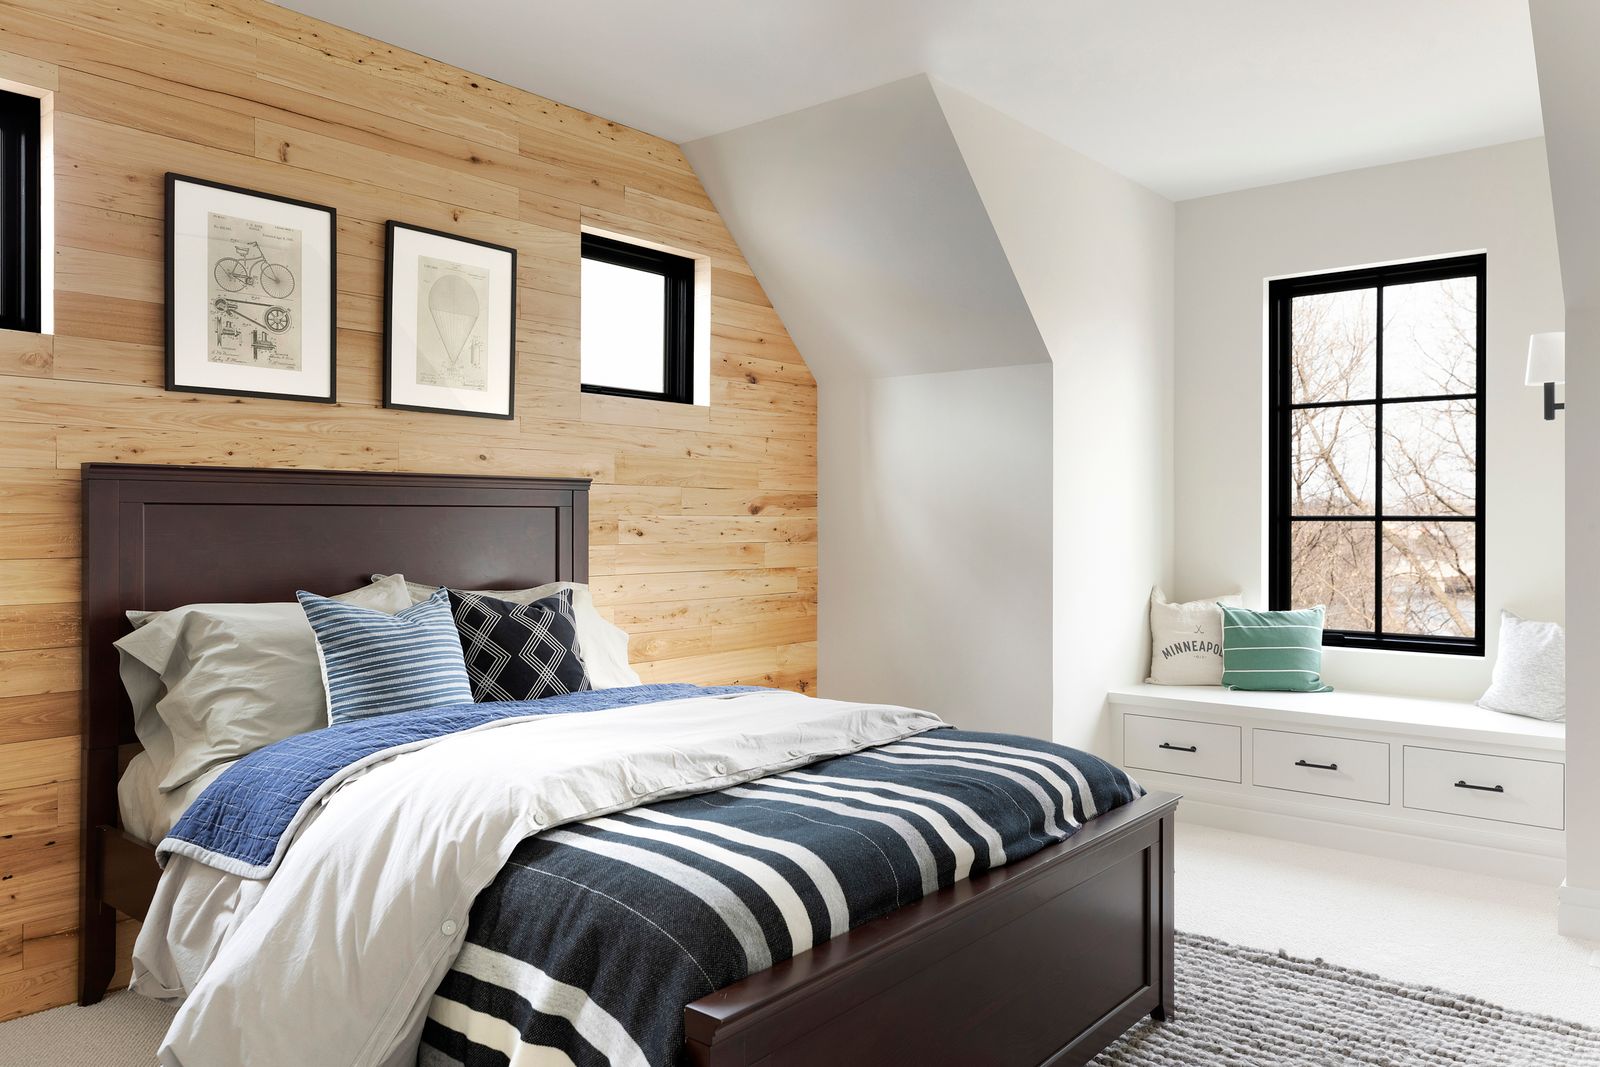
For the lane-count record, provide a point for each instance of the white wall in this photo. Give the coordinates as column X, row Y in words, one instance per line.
column 935, row 544
column 1564, row 36
column 863, row 224
column 1093, row 253
column 1495, row 199
column 989, row 317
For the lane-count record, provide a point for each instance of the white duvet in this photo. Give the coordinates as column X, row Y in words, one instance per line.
column 334, row 959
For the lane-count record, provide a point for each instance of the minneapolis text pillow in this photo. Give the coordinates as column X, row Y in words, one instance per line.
column 1273, row 650
column 377, row 664
column 519, row 651
column 1530, row 672
column 1186, row 640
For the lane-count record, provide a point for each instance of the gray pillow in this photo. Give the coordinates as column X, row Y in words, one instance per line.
column 1530, row 672
column 212, row 682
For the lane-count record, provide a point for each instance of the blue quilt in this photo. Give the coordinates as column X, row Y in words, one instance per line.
column 241, row 823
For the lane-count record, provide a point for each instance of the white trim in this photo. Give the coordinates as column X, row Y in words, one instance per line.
column 1253, row 802
column 1367, row 836
column 1344, row 710
column 1578, row 913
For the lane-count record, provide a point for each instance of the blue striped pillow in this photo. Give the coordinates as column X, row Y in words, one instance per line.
column 378, row 664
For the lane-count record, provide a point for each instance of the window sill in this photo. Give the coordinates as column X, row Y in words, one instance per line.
column 1348, row 710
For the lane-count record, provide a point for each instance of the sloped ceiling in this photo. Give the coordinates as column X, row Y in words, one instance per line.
column 1186, row 97
column 862, row 222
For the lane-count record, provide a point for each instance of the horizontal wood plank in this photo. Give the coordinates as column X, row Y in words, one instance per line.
column 702, row 519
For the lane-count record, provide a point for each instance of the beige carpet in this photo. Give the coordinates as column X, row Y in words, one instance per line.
column 121, row 1031
column 1494, row 938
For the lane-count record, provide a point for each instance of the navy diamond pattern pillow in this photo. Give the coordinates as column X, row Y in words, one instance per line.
column 519, row 651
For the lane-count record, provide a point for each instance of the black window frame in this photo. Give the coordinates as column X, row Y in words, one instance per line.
column 1281, row 294
column 21, row 274
column 677, row 274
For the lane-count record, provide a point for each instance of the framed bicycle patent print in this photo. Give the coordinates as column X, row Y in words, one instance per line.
column 250, row 293
column 449, row 324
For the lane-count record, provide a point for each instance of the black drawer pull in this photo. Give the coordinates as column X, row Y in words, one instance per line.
column 1481, row 788
column 1179, row 748
column 1318, row 766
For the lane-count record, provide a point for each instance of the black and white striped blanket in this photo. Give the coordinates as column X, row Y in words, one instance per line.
column 595, row 936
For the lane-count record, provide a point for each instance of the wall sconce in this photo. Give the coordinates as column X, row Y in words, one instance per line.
column 1547, row 366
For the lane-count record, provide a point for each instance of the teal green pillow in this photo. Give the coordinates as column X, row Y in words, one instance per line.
column 1273, row 651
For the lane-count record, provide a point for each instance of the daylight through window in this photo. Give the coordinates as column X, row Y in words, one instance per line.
column 636, row 321
column 1376, row 466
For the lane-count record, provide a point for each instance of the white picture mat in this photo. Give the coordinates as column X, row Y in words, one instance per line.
column 409, row 246
column 191, row 271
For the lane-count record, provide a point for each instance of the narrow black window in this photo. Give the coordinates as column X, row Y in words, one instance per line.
column 1376, row 453
column 19, row 212
column 636, row 321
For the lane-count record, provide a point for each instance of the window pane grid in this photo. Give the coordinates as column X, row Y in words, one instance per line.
column 1388, row 401
column 1424, row 558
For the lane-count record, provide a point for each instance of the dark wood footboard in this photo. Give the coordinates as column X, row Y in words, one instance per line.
column 1045, row 961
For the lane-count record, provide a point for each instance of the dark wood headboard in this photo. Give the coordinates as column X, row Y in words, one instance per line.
column 160, row 537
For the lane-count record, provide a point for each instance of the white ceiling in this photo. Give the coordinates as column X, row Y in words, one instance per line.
column 1188, row 97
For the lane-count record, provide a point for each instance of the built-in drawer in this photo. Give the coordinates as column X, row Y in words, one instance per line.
column 1181, row 746
column 1504, row 788
column 1327, row 766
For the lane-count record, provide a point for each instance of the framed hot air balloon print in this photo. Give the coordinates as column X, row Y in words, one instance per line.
column 250, row 293
column 450, row 309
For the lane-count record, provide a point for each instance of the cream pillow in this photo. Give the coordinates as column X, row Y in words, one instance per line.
column 1186, row 640
column 1530, row 670
column 212, row 682
column 604, row 647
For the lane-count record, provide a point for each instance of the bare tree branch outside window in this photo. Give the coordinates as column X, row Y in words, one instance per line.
column 1376, row 462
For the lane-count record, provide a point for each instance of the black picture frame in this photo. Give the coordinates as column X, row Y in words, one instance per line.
column 391, row 335
column 173, row 181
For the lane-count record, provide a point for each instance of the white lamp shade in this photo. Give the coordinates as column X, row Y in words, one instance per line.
column 1547, row 358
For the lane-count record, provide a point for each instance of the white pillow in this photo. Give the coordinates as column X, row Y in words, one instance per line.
column 1186, row 639
column 1530, row 672
column 604, row 647
column 212, row 682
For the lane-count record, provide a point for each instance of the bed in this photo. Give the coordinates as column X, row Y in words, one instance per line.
column 1044, row 960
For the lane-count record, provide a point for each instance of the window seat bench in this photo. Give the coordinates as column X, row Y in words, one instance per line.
column 1434, row 781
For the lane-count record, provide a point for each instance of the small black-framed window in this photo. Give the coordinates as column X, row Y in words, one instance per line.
column 20, row 274
column 1376, row 453
column 636, row 334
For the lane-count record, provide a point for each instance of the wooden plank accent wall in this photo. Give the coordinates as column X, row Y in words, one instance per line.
column 704, row 519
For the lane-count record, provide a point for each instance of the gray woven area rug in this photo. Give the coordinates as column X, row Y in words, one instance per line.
column 1241, row 1007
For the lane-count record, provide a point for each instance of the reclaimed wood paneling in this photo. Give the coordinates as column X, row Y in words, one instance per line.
column 703, row 520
